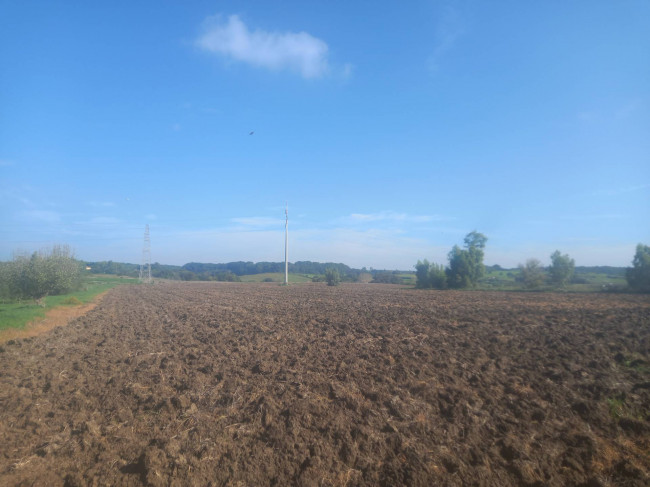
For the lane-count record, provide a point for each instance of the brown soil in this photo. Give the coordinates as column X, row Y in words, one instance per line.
column 244, row 384
column 54, row 317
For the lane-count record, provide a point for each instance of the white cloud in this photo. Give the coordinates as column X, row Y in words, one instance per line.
column 347, row 70
column 595, row 216
column 356, row 248
column 381, row 249
column 392, row 216
column 101, row 204
column 103, row 220
column 258, row 221
column 42, row 215
column 450, row 28
column 297, row 52
column 622, row 190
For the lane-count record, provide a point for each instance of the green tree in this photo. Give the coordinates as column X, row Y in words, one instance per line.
column 429, row 275
column 638, row 276
column 437, row 276
column 561, row 269
column 422, row 274
column 43, row 273
column 531, row 274
column 332, row 276
column 466, row 265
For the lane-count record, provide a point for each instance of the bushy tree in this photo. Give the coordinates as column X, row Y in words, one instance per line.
column 5, row 290
column 332, row 276
column 466, row 265
column 429, row 275
column 422, row 274
column 561, row 269
column 437, row 276
column 386, row 277
column 531, row 274
column 638, row 276
column 43, row 273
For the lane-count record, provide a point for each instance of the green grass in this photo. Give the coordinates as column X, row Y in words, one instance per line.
column 275, row 277
column 504, row 280
column 407, row 278
column 617, row 408
column 17, row 315
column 636, row 362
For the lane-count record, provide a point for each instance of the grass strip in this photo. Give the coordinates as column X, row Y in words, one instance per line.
column 18, row 314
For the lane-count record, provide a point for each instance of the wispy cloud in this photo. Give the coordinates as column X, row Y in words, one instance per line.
column 450, row 27
column 297, row 52
column 258, row 221
column 104, row 220
column 358, row 248
column 622, row 190
column 101, row 204
column 594, row 217
column 392, row 216
column 5, row 163
column 46, row 216
column 629, row 108
column 612, row 114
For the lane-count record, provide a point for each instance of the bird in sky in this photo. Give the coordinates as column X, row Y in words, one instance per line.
column 251, row 132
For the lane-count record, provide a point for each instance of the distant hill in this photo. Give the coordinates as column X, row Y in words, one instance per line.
column 599, row 269
column 231, row 271
column 602, row 269
column 249, row 268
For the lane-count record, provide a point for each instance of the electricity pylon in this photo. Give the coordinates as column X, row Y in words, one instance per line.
column 286, row 245
column 145, row 267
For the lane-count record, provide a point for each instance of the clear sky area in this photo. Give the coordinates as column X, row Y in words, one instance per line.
column 392, row 129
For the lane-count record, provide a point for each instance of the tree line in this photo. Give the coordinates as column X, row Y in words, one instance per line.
column 57, row 271
column 465, row 268
column 231, row 271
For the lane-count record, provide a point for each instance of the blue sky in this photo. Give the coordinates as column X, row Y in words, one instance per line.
column 392, row 129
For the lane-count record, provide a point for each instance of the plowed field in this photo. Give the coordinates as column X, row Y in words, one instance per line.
column 258, row 384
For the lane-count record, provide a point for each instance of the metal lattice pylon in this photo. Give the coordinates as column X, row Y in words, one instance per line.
column 145, row 266
column 286, row 245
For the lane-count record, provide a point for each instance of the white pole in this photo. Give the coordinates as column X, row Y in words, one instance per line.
column 286, row 245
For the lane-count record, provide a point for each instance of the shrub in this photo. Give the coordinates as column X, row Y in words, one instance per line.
column 466, row 265
column 531, row 274
column 332, row 277
column 638, row 276
column 437, row 276
column 429, row 275
column 47, row 272
column 561, row 269
column 385, row 277
column 422, row 274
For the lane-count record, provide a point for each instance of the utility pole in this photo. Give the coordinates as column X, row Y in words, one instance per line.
column 286, row 245
column 145, row 266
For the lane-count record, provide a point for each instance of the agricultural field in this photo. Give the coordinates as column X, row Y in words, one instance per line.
column 275, row 277
column 261, row 384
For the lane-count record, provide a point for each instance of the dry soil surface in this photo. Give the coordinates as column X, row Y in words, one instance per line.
column 245, row 384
